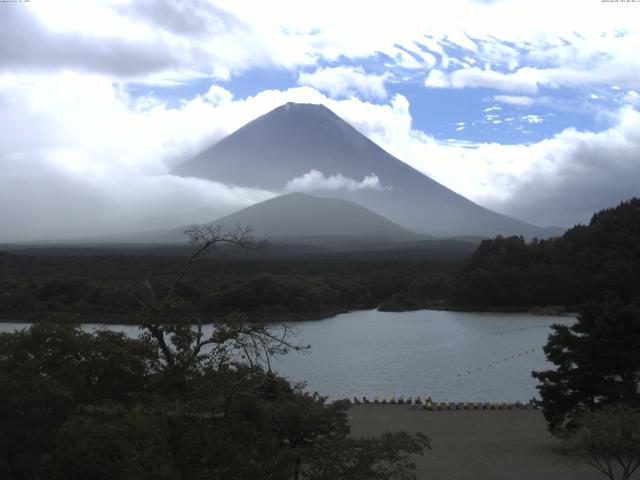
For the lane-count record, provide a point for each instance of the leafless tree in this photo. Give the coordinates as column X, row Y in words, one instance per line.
column 180, row 338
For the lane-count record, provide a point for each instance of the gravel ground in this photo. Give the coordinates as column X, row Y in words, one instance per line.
column 477, row 444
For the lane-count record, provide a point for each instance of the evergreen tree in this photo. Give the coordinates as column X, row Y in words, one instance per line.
column 597, row 363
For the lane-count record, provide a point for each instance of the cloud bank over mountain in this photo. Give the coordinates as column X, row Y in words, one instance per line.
column 100, row 100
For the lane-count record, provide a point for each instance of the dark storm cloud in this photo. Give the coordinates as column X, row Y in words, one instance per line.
column 170, row 38
column 187, row 18
column 594, row 171
column 27, row 44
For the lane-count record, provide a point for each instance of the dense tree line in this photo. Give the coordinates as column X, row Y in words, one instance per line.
column 589, row 262
column 87, row 286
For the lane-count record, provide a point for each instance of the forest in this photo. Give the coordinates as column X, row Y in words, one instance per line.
column 84, row 284
column 589, row 262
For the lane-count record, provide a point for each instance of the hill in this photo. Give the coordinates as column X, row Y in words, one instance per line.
column 274, row 150
column 306, row 219
column 589, row 262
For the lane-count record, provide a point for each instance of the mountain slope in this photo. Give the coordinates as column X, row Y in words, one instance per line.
column 298, row 216
column 294, row 139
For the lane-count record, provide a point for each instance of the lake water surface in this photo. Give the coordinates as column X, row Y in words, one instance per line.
column 450, row 356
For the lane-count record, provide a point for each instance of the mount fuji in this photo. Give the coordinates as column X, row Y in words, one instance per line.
column 297, row 144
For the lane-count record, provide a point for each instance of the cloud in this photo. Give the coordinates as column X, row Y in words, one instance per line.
column 51, row 195
column 140, row 40
column 160, row 41
column 78, row 154
column 29, row 43
column 532, row 118
column 514, row 100
column 345, row 82
column 580, row 171
column 520, row 81
column 437, row 79
column 529, row 80
column 76, row 143
column 315, row 180
column 632, row 97
column 190, row 18
column 561, row 180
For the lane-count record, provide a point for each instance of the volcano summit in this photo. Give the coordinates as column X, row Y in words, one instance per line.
column 306, row 147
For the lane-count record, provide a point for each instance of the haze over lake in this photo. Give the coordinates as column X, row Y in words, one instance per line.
column 450, row 356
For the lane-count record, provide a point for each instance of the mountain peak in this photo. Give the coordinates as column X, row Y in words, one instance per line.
column 292, row 109
column 296, row 195
column 284, row 145
column 293, row 106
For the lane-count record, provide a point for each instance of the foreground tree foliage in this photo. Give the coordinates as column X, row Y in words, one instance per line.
column 597, row 364
column 175, row 403
column 610, row 440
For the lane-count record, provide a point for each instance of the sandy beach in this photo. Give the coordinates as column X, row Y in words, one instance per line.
column 477, row 444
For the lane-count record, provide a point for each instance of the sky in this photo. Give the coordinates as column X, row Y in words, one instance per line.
column 528, row 107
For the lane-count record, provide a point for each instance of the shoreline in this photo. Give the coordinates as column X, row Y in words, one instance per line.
column 270, row 317
column 546, row 310
column 128, row 318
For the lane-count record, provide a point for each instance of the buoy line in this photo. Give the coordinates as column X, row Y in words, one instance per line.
column 496, row 363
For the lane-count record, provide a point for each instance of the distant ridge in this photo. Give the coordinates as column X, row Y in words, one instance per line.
column 294, row 139
column 310, row 219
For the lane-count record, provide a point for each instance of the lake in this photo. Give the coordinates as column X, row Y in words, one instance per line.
column 450, row 356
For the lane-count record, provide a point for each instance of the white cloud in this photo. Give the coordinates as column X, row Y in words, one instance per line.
column 437, row 79
column 514, row 100
column 519, row 81
column 159, row 41
column 531, row 118
column 632, row 97
column 67, row 193
column 345, row 82
column 162, row 40
column 78, row 153
column 426, row 59
column 528, row 80
column 315, row 180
